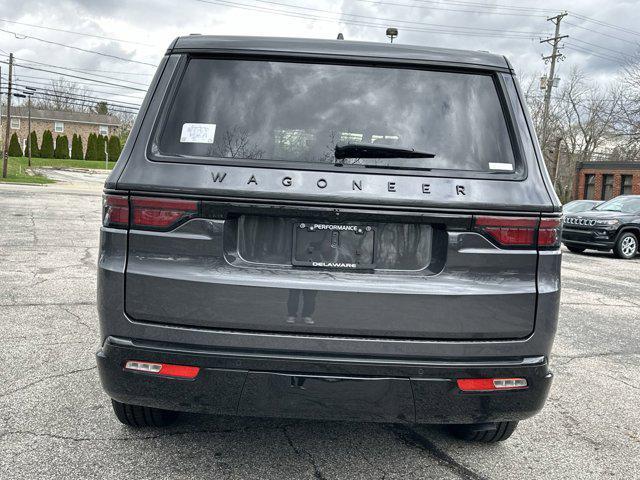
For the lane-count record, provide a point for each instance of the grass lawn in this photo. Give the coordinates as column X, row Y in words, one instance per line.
column 18, row 165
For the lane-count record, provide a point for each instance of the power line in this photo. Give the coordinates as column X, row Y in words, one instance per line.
column 601, row 33
column 45, row 97
column 22, row 36
column 307, row 16
column 101, row 82
column 75, row 70
column 602, row 48
column 492, row 6
column 38, row 81
column 80, row 96
column 595, row 54
column 83, row 99
column 391, row 20
column 75, row 33
column 606, row 24
column 425, row 7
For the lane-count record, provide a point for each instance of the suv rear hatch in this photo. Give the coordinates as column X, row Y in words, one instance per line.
column 271, row 233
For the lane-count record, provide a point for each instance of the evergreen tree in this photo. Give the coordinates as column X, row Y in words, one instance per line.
column 102, row 108
column 56, row 149
column 35, row 151
column 114, row 148
column 100, row 148
column 46, row 150
column 14, row 146
column 62, row 147
column 76, row 147
column 92, row 152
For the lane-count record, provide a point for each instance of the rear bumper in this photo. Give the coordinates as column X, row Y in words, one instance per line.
column 332, row 388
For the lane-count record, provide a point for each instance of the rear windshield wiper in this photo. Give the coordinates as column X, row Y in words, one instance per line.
column 373, row 150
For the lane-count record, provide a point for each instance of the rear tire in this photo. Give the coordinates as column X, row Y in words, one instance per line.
column 139, row 417
column 575, row 249
column 484, row 433
column 626, row 245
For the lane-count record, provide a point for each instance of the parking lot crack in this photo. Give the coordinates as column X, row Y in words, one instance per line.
column 77, row 318
column 302, row 453
column 414, row 439
column 569, row 358
column 43, row 379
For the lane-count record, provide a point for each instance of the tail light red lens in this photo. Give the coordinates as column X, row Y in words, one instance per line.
column 161, row 213
column 520, row 232
column 549, row 233
column 490, row 384
column 115, row 211
column 163, row 369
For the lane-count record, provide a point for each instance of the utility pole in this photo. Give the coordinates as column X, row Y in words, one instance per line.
column 5, row 149
column 554, row 41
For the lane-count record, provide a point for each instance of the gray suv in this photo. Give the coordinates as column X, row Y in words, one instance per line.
column 330, row 230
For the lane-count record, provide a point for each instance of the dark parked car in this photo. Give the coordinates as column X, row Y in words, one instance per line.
column 578, row 206
column 613, row 225
column 330, row 230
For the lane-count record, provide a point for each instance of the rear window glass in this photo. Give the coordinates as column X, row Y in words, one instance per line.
column 298, row 112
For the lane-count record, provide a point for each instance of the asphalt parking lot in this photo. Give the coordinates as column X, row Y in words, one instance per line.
column 55, row 421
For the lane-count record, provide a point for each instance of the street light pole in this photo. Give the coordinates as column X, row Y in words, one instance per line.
column 29, row 91
column 29, row 131
column 27, row 94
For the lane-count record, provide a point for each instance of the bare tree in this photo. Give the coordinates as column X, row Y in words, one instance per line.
column 62, row 94
column 236, row 143
column 628, row 130
column 589, row 114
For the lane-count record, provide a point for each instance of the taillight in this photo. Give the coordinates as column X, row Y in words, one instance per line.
column 161, row 213
column 520, row 232
column 549, row 233
column 490, row 384
column 115, row 211
column 164, row 369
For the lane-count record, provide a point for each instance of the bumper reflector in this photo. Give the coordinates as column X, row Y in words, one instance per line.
column 164, row 369
column 490, row 384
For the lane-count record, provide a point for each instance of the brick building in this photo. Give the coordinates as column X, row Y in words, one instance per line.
column 59, row 123
column 603, row 180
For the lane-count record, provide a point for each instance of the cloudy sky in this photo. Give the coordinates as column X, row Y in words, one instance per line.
column 602, row 34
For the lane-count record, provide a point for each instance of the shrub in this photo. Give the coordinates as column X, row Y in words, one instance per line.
column 91, row 153
column 100, row 148
column 76, row 147
column 46, row 150
column 35, row 151
column 14, row 146
column 114, row 148
column 62, row 147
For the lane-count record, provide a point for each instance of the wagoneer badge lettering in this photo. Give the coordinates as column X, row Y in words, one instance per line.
column 322, row 183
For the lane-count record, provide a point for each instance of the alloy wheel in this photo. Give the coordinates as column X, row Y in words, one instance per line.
column 629, row 246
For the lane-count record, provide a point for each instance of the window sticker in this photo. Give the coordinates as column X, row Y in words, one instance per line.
column 507, row 167
column 198, row 132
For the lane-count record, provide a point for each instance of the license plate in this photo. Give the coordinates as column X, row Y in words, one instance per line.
column 343, row 246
